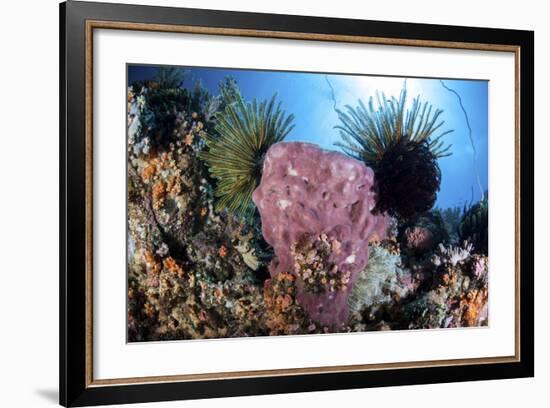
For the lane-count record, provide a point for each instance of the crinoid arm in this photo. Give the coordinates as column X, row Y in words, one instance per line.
column 368, row 131
column 243, row 134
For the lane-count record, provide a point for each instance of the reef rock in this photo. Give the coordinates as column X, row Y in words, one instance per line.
column 316, row 209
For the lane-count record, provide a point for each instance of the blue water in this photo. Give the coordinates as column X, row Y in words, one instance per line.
column 309, row 97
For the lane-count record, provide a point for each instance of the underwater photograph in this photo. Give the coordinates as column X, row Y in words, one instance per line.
column 265, row 203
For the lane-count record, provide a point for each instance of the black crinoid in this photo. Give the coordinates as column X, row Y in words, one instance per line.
column 401, row 147
column 408, row 179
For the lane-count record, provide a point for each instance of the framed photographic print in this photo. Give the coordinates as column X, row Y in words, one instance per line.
column 255, row 203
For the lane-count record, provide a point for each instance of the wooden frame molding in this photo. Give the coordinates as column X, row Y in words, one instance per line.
column 78, row 21
column 113, row 25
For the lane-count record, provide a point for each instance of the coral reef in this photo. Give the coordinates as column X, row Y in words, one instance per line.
column 451, row 218
column 191, row 271
column 474, row 226
column 229, row 93
column 183, row 305
column 165, row 114
column 419, row 238
column 315, row 208
column 169, row 77
column 283, row 313
column 379, row 285
column 233, row 232
column 399, row 292
column 459, row 293
column 451, row 254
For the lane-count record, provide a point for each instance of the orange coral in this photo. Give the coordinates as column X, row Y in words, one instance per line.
column 281, row 277
column 283, row 314
column 222, row 252
column 149, row 310
column 153, row 268
column 189, row 139
column 148, row 173
column 172, row 266
column 473, row 304
column 284, row 301
column 173, row 185
column 159, row 194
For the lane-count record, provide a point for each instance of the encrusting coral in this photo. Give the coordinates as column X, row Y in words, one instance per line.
column 419, row 238
column 189, row 273
column 284, row 315
column 423, row 232
column 458, row 296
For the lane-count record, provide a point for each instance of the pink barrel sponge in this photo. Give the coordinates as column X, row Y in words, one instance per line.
column 316, row 209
